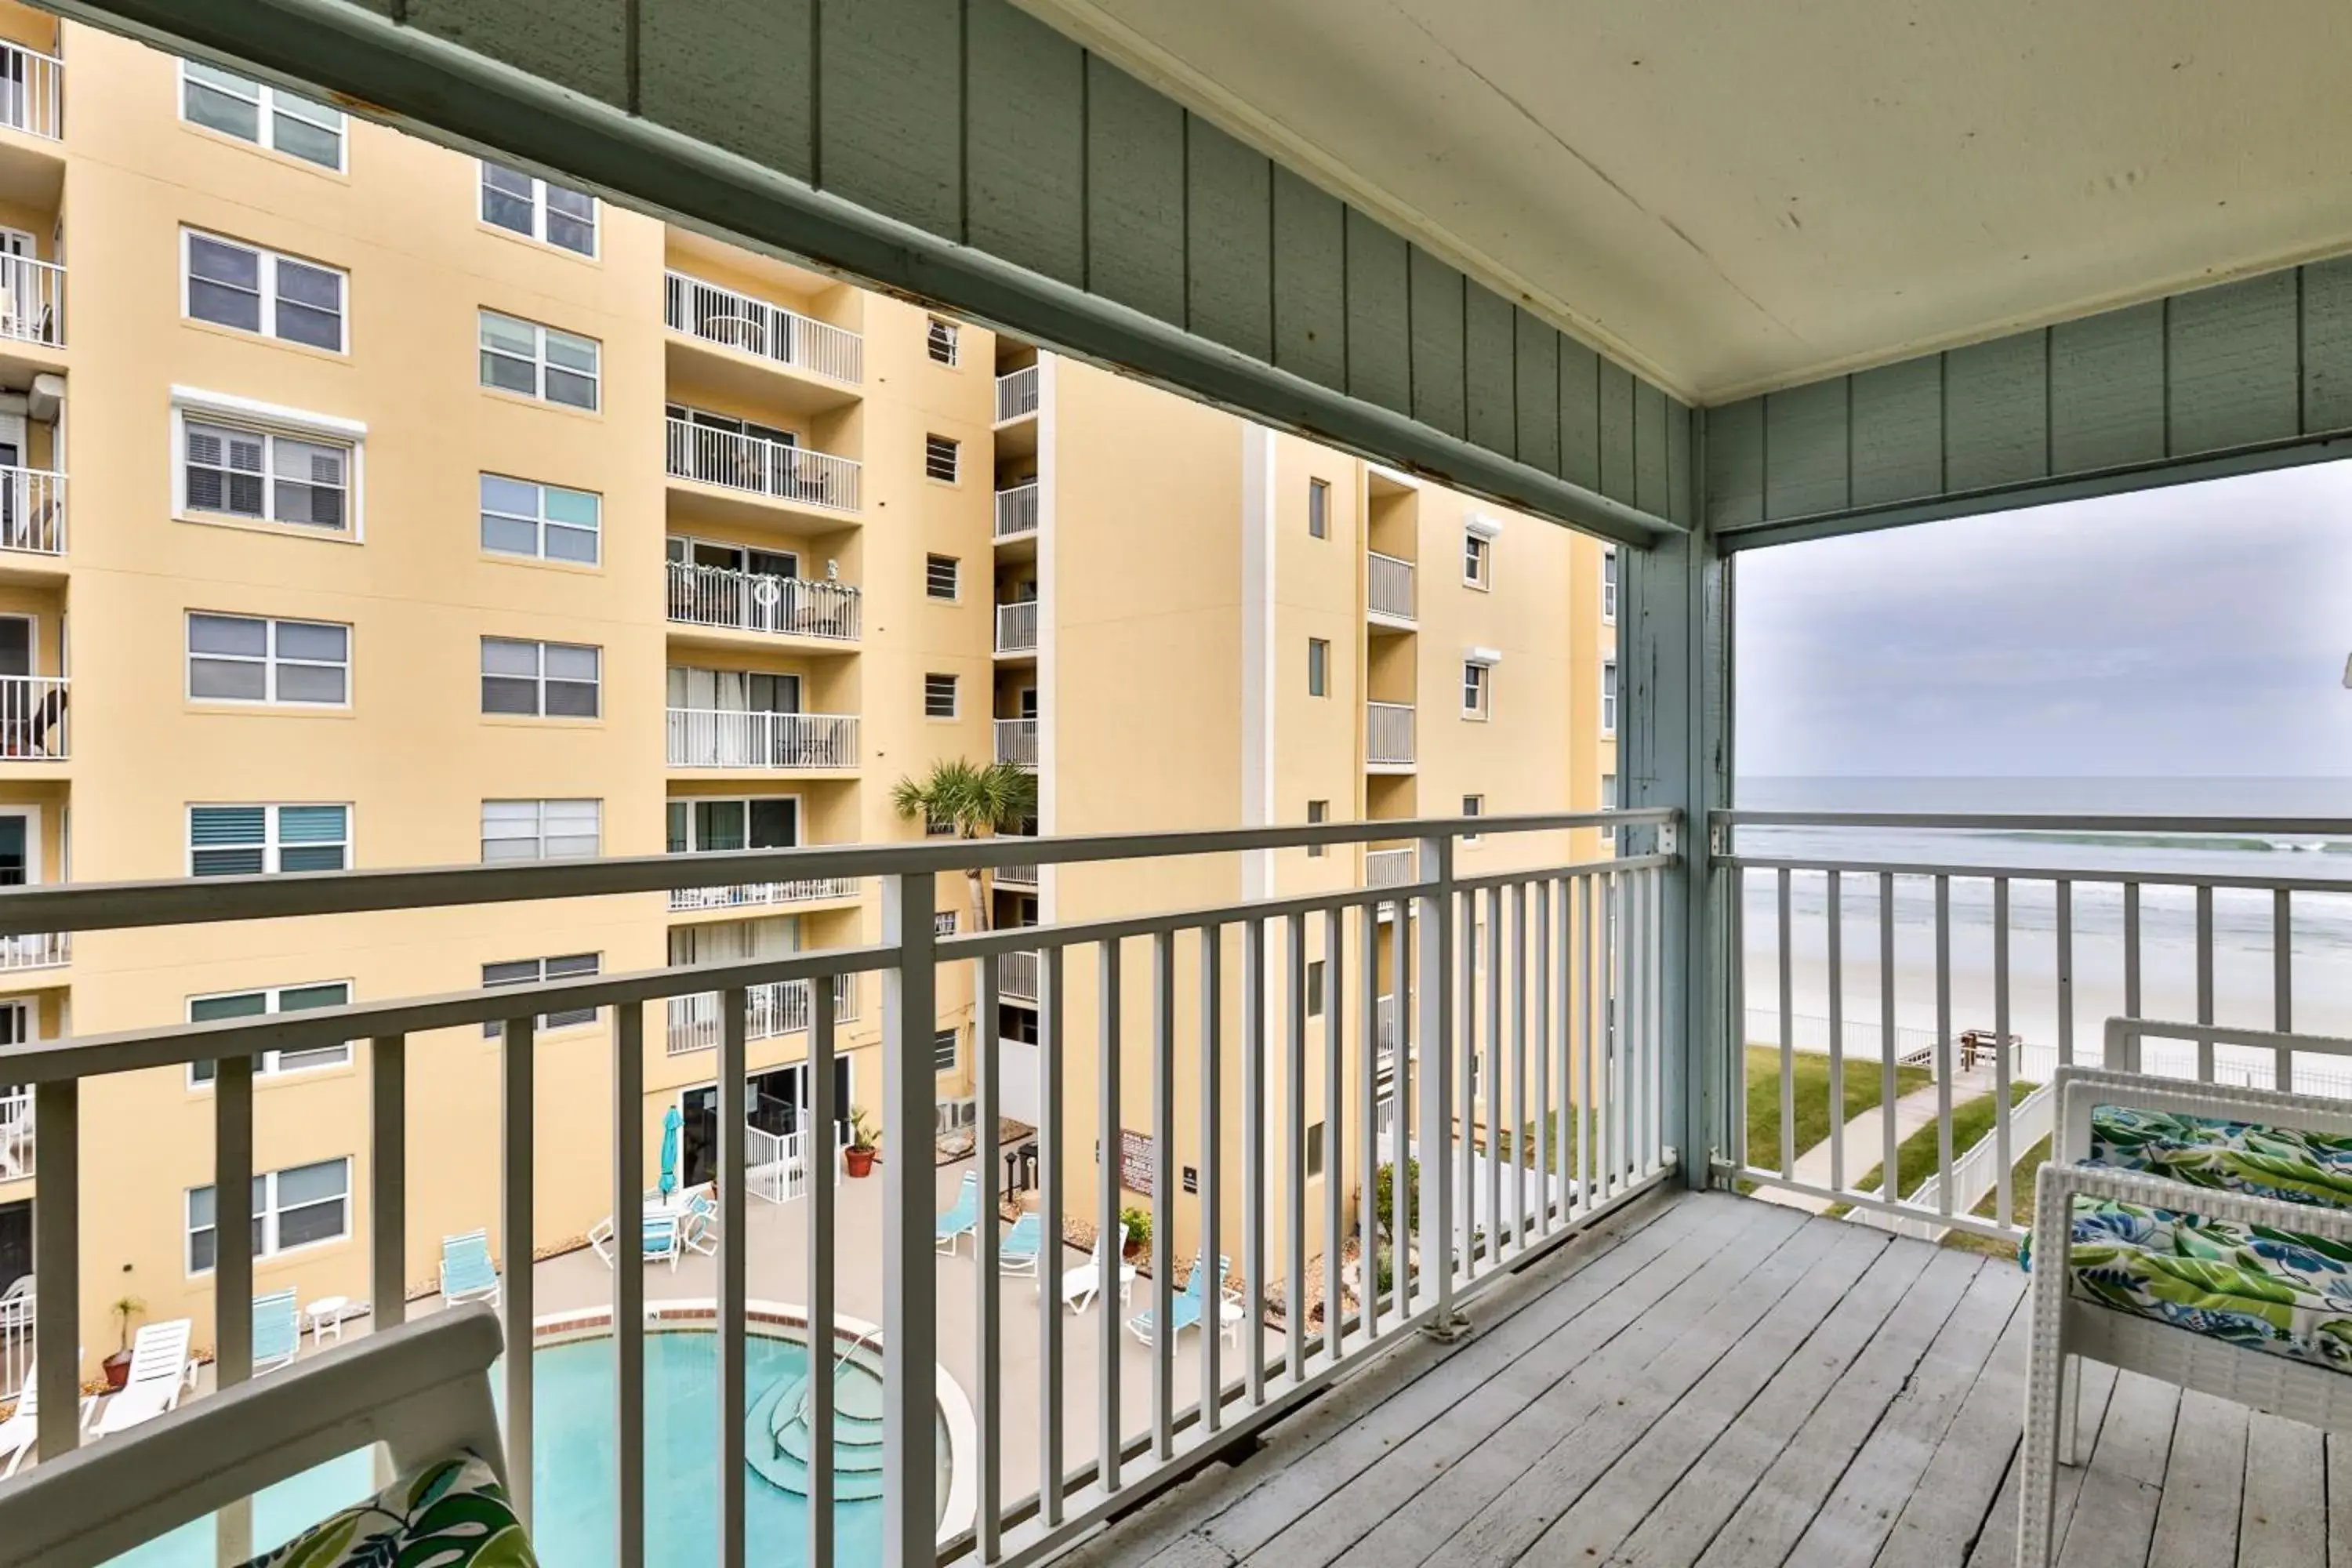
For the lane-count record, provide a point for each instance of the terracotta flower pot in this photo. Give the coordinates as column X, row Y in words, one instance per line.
column 858, row 1162
column 116, row 1368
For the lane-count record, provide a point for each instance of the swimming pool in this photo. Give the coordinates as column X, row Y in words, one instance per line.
column 576, row 1454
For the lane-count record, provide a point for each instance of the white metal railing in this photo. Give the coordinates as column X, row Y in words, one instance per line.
column 16, row 1155
column 758, row 602
column 781, row 1008
column 1016, row 876
column 33, row 719
column 1388, row 868
column 1942, row 963
column 797, row 474
column 1016, row 626
column 744, row 895
column 1385, row 1021
column 1388, row 585
column 36, row 949
column 32, row 300
column 1387, row 734
column 31, row 96
column 1016, row 511
column 33, row 511
column 1017, row 974
column 1016, row 393
column 17, row 1329
column 726, row 737
column 777, row 1165
column 737, row 321
column 1563, row 946
column 1016, row 742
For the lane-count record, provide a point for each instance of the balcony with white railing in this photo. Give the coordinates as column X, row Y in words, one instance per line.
column 15, row 1156
column 32, row 301
column 726, row 737
column 36, row 949
column 1016, row 394
column 1388, row 589
column 727, row 318
column 33, row 720
column 32, row 511
column 697, row 1022
column 1388, row 737
column 755, row 895
column 754, row 465
column 1388, row 868
column 1017, row 974
column 1016, row 626
column 1023, row 877
column 728, row 600
column 1017, row 511
column 1016, row 742
column 32, row 92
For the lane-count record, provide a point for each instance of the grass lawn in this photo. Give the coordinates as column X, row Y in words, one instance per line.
column 2020, row 1206
column 1914, row 1157
column 1811, row 1083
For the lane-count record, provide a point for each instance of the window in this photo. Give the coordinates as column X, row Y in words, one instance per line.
column 533, row 361
column 1319, row 509
column 1477, row 680
column 1314, row 1151
column 756, row 822
column 942, row 576
column 540, row 829
column 1314, row 987
column 938, row 697
column 1478, row 559
column 540, row 680
column 249, row 659
column 1609, row 584
column 943, row 923
column 1318, row 668
column 266, row 476
column 264, row 115
column 1472, row 805
column 1317, row 811
column 257, row 290
column 547, row 523
column 1609, row 802
column 941, row 339
column 539, row 209
column 268, row 1000
column 531, row 971
column 255, row 840
column 943, row 1051
column 294, row 1208
column 1609, row 697
column 939, row 456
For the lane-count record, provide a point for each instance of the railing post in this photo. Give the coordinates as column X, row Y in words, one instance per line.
column 1434, row 980
column 57, row 1264
column 909, row 1322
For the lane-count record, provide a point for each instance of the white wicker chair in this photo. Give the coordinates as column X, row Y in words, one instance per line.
column 2066, row 1329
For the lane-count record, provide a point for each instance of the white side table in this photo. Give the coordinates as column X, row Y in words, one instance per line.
column 1230, row 1315
column 326, row 1313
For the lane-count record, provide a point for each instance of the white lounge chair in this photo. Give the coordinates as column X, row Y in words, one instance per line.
column 21, row 1433
column 1081, row 1285
column 161, row 1371
column 661, row 1239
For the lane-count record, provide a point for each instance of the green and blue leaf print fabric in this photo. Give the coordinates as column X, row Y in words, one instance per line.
column 452, row 1515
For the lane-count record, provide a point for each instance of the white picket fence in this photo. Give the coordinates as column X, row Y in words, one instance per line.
column 1974, row 1173
column 778, row 1165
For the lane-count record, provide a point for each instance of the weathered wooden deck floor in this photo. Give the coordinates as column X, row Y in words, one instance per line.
column 1713, row 1379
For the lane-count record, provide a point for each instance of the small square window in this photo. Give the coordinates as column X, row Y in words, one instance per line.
column 1317, row 811
column 1319, row 509
column 1477, row 684
column 942, row 576
column 1318, row 668
column 1472, row 805
column 539, row 209
column 939, row 456
column 943, row 1050
column 545, row 522
column 938, row 697
column 1478, row 560
column 940, row 341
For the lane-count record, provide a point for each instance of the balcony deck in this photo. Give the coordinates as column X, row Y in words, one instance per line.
column 1711, row 1379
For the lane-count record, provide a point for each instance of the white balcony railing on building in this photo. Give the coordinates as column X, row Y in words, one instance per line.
column 32, row 300
column 758, row 602
column 1388, row 585
column 745, row 895
column 765, row 468
column 36, row 949
column 32, row 91
column 723, row 737
column 1016, row 393
column 1016, row 626
column 782, row 1007
column 1387, row 734
column 1384, row 1029
column 16, row 1155
column 1388, row 868
column 17, row 1304
column 1017, row 974
column 1447, row 1241
column 33, row 724
column 32, row 511
column 738, row 321
column 1016, row 742
column 1016, row 511
column 1016, row 876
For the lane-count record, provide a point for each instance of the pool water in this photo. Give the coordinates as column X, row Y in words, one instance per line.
column 576, row 1458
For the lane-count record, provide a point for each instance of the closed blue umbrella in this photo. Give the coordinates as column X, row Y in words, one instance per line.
column 671, row 1124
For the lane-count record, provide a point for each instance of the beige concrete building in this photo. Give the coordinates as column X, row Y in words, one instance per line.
column 422, row 512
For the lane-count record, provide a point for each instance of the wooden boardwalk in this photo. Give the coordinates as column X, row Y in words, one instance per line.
column 1712, row 1380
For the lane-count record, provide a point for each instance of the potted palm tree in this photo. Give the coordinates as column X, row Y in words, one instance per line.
column 117, row 1367
column 974, row 799
column 865, row 1143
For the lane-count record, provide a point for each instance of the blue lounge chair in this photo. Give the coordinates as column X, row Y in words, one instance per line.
column 276, row 1332
column 963, row 1217
column 467, row 1272
column 1186, row 1310
column 1019, row 1251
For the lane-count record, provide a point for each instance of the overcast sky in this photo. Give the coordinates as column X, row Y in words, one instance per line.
column 2195, row 630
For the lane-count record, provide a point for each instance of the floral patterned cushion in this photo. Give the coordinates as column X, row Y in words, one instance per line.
column 452, row 1515
column 2286, row 1162
column 2275, row 1290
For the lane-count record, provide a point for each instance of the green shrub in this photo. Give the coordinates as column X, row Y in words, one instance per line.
column 1384, row 1193
column 1139, row 1227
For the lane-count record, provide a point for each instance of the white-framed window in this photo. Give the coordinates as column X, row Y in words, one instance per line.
column 542, row 362
column 302, row 1206
column 1319, row 509
column 262, row 1002
column 257, row 841
column 259, row 659
column 1609, row 583
column 258, row 474
column 944, row 1044
column 943, row 340
column 939, row 696
column 534, row 971
column 264, row 115
column 1318, row 668
column 705, row 823
column 541, row 680
column 940, row 456
column 1315, row 988
column 539, row 209
column 232, row 284
column 1478, row 688
column 943, row 922
column 1317, row 811
column 1472, row 805
column 1609, row 697
column 1609, row 802
column 542, row 829
column 546, row 522
column 1478, row 559
column 942, row 577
